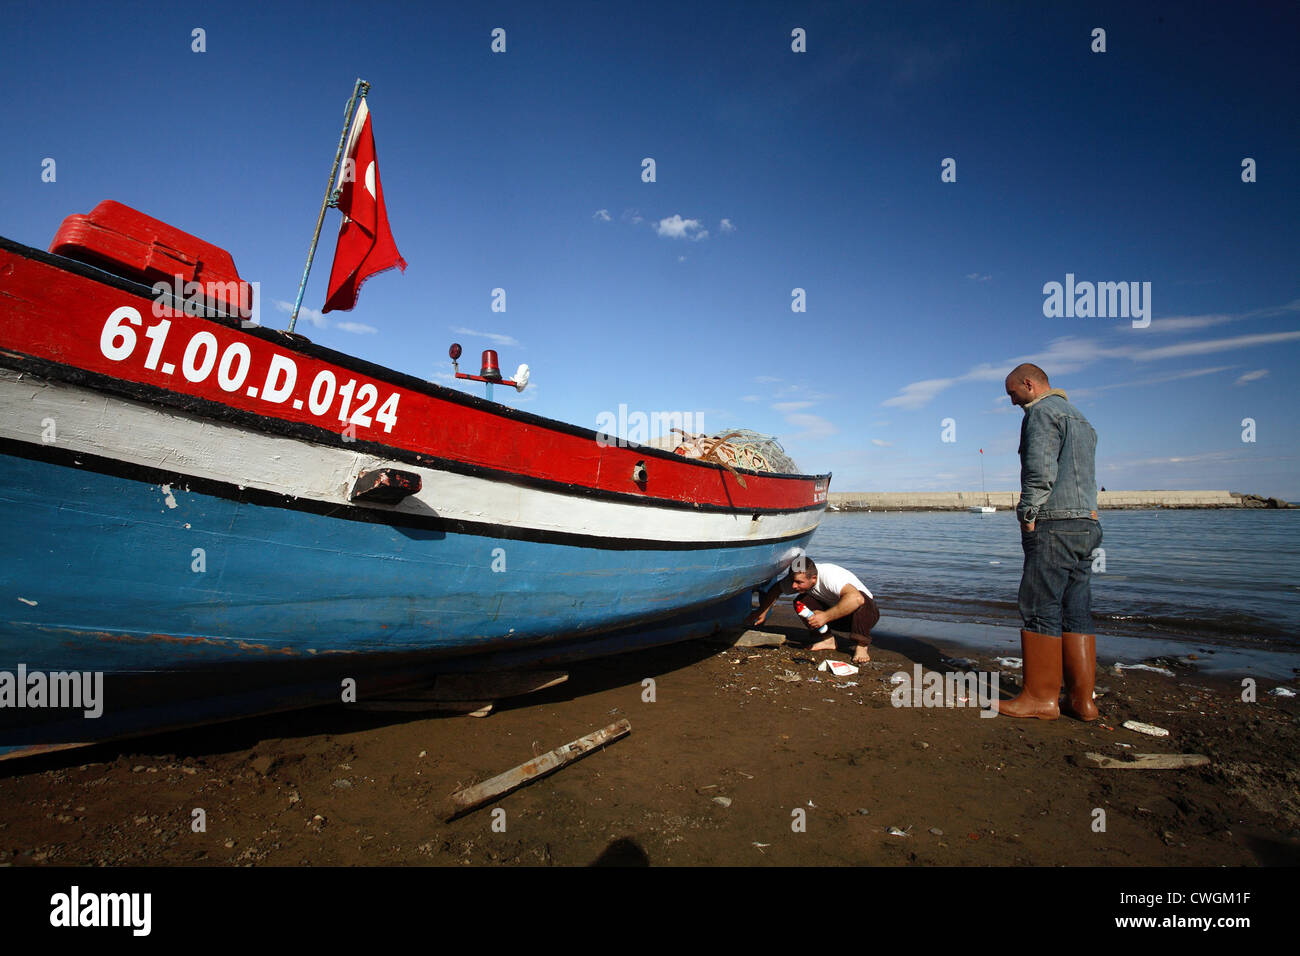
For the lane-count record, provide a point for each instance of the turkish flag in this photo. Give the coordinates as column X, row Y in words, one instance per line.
column 365, row 245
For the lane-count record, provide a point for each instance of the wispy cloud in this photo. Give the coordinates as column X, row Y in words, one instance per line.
column 494, row 337
column 359, row 327
column 1069, row 354
column 1181, row 323
column 726, row 226
column 1213, row 345
column 881, row 444
column 976, row 277
column 1254, row 376
column 602, row 215
column 814, row 427
column 318, row 320
column 1155, row 380
column 919, row 394
column 792, row 406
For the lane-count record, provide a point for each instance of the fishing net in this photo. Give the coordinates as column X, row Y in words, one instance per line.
column 736, row 447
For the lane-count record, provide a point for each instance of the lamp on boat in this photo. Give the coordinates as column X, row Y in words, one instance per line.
column 490, row 374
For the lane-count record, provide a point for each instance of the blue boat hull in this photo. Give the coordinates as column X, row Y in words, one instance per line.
column 198, row 607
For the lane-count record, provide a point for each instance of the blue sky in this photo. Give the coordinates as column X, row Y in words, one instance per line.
column 775, row 170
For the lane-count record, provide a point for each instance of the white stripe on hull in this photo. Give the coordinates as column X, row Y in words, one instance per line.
column 111, row 427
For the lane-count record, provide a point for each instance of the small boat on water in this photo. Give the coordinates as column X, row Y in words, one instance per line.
column 220, row 519
column 986, row 508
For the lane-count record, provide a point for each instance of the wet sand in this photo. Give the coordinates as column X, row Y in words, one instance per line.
column 336, row 787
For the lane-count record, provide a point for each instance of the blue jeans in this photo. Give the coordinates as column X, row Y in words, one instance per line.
column 1055, row 592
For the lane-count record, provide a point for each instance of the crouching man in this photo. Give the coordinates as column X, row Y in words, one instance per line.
column 835, row 596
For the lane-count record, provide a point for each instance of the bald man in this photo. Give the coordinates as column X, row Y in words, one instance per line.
column 1058, row 532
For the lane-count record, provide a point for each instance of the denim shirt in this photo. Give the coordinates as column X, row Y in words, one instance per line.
column 1058, row 451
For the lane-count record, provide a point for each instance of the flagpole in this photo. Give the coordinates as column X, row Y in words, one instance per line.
column 360, row 90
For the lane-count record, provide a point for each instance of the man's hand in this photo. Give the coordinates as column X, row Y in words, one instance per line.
column 755, row 618
column 1027, row 526
column 817, row 620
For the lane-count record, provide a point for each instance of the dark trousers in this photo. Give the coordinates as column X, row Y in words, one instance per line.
column 857, row 625
column 1056, row 584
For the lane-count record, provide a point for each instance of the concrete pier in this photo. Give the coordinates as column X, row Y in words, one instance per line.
column 1006, row 500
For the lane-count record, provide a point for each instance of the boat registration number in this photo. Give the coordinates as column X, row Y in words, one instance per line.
column 201, row 357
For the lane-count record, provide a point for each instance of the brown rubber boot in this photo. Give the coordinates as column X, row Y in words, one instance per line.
column 1079, row 653
column 1042, row 684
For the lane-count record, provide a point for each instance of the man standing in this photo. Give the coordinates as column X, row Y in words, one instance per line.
column 1058, row 532
column 835, row 596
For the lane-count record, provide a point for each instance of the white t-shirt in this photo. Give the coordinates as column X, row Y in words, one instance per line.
column 831, row 579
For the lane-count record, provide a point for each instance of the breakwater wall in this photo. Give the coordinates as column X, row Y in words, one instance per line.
column 1006, row 500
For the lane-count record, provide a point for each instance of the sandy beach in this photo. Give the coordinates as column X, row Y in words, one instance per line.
column 733, row 763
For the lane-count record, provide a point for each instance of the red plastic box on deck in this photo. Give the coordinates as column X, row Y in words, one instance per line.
column 127, row 243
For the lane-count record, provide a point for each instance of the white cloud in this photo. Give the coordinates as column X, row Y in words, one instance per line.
column 814, row 426
column 881, row 444
column 633, row 216
column 1069, row 354
column 1254, row 376
column 602, row 215
column 1158, row 380
column 977, row 277
column 359, row 327
column 1178, row 323
column 318, row 319
column 495, row 337
column 726, row 226
column 751, row 398
column 1213, row 345
column 792, row 406
column 919, row 394
column 675, row 227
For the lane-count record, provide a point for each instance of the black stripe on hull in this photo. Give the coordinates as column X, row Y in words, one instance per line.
column 303, row 346
column 270, row 499
column 204, row 408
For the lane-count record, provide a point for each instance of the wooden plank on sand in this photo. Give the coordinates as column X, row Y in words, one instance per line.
column 1147, row 761
column 462, row 801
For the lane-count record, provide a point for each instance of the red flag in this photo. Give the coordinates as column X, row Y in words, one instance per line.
column 365, row 245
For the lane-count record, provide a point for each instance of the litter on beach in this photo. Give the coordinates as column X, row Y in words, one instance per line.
column 1282, row 692
column 1143, row 667
column 838, row 668
column 1013, row 663
column 1151, row 730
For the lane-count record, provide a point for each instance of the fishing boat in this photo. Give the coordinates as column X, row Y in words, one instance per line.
column 222, row 519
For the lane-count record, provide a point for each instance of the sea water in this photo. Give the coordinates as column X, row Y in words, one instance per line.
column 1225, row 577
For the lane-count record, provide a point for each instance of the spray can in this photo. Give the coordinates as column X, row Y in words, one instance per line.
column 802, row 610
